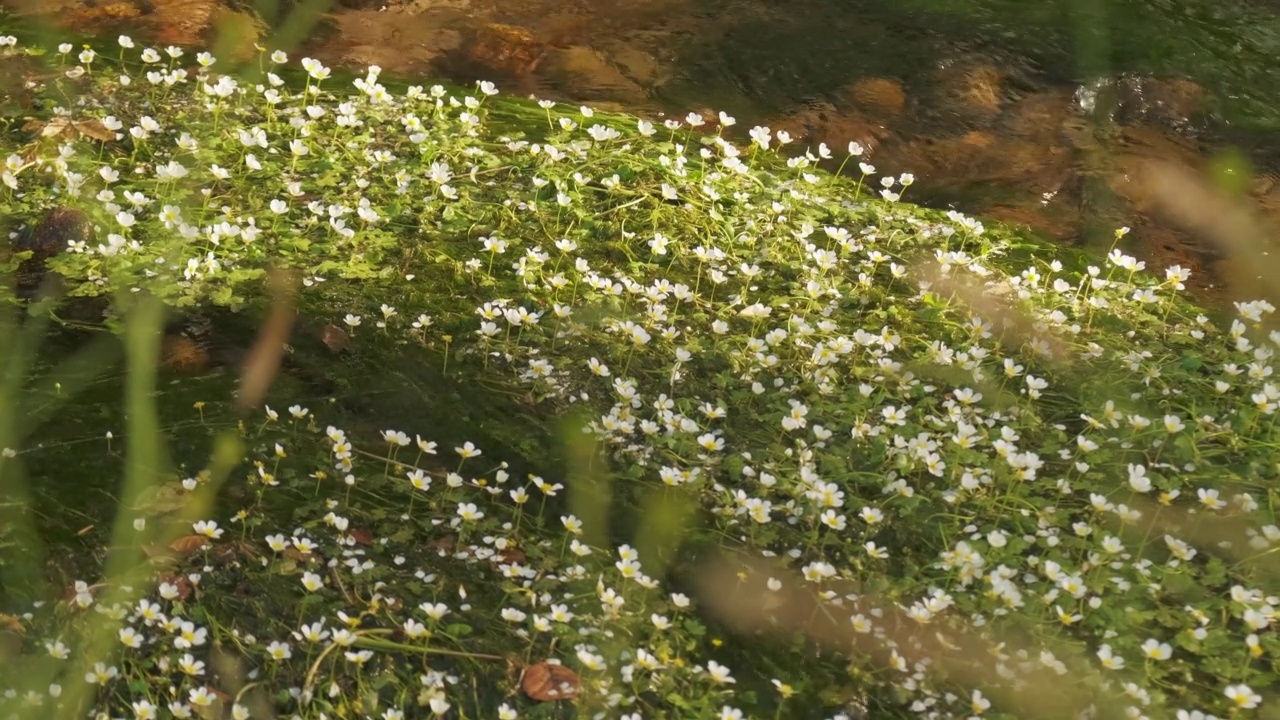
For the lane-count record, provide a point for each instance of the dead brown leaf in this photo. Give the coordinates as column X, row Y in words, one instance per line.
column 549, row 682
column 93, row 128
column 296, row 555
column 186, row 546
column 13, row 624
column 70, row 129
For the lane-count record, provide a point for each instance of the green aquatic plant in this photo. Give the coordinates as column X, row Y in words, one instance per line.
column 636, row 420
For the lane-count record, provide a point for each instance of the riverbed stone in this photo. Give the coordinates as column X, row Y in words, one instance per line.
column 820, row 121
column 590, row 74
column 970, row 90
column 879, row 97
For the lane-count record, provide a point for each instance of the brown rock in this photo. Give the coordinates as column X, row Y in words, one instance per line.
column 1179, row 97
column 506, row 49
column 1172, row 103
column 403, row 40
column 878, row 97
column 181, row 22
column 94, row 19
column 50, row 235
column 335, row 338
column 568, row 28
column 183, row 355
column 638, row 65
column 585, row 72
column 820, row 121
column 1138, row 153
column 1038, row 117
column 971, row 91
column 45, row 239
column 983, row 157
column 1056, row 220
column 1164, row 247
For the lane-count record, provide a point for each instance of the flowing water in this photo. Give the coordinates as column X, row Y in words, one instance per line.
column 1049, row 114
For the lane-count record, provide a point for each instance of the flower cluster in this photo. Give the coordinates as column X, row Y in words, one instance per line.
column 908, row 424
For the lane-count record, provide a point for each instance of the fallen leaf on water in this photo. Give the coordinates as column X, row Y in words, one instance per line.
column 94, row 128
column 12, row 623
column 188, row 545
column 549, row 682
column 73, row 129
column 296, row 555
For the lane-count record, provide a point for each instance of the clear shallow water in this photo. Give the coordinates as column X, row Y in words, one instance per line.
column 1037, row 112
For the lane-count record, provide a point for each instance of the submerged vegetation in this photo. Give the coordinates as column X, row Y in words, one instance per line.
column 601, row 417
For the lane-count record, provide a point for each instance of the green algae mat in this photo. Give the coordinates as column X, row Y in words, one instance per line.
column 516, row 409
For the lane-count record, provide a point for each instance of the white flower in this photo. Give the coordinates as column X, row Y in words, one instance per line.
column 1157, row 650
column 201, row 697
column 143, row 710
column 1109, row 660
column 208, row 528
column 719, row 673
column 130, row 638
column 1138, row 479
column 1243, row 696
column 312, row 581
column 315, row 68
column 279, row 650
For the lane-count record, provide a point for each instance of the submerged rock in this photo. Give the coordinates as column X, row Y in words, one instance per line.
column 46, row 238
